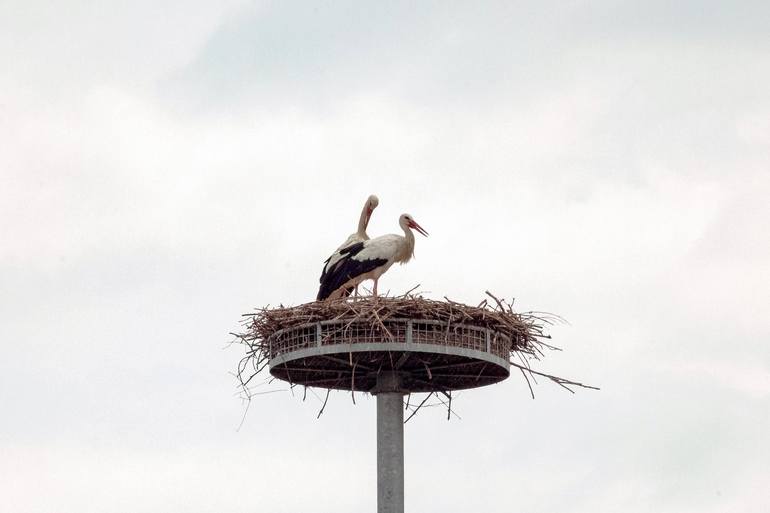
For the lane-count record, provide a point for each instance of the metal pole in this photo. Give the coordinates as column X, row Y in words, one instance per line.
column 390, row 445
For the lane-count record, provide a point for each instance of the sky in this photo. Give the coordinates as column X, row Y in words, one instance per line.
column 167, row 166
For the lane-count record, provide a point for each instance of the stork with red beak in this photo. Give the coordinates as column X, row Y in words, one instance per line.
column 367, row 260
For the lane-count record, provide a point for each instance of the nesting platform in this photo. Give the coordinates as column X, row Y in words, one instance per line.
column 426, row 354
column 425, row 345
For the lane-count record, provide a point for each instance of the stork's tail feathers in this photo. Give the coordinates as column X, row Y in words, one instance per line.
column 324, row 292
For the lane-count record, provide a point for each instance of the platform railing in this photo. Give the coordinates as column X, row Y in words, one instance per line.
column 401, row 331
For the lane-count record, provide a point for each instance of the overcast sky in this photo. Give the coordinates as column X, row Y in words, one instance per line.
column 168, row 165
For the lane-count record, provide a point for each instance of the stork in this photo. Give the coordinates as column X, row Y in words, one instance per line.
column 360, row 235
column 369, row 259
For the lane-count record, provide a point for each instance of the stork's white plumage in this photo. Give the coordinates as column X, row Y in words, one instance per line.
column 369, row 259
column 359, row 235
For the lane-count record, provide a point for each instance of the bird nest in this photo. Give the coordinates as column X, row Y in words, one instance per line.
column 433, row 346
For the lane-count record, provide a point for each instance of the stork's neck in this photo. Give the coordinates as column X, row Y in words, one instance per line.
column 408, row 249
column 363, row 221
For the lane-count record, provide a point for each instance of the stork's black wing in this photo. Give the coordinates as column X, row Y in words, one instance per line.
column 346, row 269
column 347, row 250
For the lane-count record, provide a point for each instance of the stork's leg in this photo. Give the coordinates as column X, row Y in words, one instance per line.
column 374, row 290
column 356, row 292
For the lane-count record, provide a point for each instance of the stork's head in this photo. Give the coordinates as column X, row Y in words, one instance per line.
column 371, row 204
column 407, row 221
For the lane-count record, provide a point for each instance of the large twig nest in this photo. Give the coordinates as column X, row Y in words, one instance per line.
column 522, row 335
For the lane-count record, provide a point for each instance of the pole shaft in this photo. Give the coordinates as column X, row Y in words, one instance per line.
column 390, row 452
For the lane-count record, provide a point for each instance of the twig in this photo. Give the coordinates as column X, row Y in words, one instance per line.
column 418, row 407
column 528, row 383
column 559, row 381
column 324, row 405
column 427, row 369
column 245, row 411
column 406, row 294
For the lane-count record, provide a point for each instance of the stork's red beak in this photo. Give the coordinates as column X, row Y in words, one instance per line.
column 413, row 224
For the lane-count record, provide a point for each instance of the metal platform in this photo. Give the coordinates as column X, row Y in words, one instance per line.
column 425, row 354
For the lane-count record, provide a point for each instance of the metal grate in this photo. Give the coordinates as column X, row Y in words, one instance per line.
column 499, row 344
column 417, row 331
column 295, row 339
column 459, row 335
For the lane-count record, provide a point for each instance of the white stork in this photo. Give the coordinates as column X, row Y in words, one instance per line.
column 369, row 259
column 360, row 235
